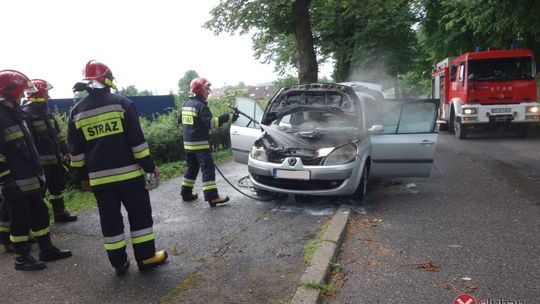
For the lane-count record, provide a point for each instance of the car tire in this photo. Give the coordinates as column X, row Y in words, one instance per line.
column 460, row 130
column 361, row 191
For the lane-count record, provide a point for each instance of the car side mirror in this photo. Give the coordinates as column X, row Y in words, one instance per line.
column 376, row 129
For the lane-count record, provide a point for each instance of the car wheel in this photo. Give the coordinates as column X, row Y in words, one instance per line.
column 361, row 191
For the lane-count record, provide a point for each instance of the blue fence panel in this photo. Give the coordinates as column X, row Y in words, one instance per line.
column 146, row 106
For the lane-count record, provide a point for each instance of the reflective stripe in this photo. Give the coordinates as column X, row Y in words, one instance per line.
column 214, row 123
column 196, row 145
column 40, row 128
column 18, row 239
column 48, row 159
column 211, row 187
column 189, row 113
column 142, row 239
column 28, row 184
column 77, row 164
column 114, row 246
column 37, row 99
column 188, row 184
column 141, row 150
column 141, row 232
column 114, row 175
column 114, row 239
column 189, row 109
column 9, row 136
column 98, row 118
column 39, row 233
column 97, row 111
column 56, row 196
column 39, row 125
column 4, row 228
column 189, row 180
column 4, row 173
column 2, row 158
column 5, row 224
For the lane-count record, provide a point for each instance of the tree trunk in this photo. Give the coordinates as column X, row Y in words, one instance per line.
column 307, row 61
column 343, row 67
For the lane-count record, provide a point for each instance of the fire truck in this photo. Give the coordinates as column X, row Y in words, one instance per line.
column 486, row 89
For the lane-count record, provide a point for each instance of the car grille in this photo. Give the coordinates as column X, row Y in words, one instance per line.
column 294, row 184
column 306, row 161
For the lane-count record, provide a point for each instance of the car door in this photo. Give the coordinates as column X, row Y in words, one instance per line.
column 405, row 145
column 243, row 131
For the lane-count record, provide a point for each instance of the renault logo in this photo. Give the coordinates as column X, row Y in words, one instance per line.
column 292, row 161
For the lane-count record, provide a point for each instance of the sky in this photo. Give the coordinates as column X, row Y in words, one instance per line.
column 148, row 44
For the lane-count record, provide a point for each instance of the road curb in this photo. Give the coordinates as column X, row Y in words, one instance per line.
column 325, row 253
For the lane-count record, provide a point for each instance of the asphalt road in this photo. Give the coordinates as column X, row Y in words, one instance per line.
column 243, row 252
column 472, row 228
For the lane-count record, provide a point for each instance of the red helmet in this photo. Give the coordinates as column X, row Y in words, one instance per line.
column 42, row 93
column 199, row 85
column 14, row 84
column 97, row 71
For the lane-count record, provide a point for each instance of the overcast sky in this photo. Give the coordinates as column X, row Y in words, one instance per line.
column 149, row 44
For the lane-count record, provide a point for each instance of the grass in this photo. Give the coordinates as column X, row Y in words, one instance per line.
column 326, row 288
column 77, row 200
column 310, row 247
column 178, row 291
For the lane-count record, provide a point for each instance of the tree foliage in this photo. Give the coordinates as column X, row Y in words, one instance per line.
column 183, row 84
column 131, row 90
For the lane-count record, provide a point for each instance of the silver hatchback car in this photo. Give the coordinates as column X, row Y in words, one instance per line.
column 328, row 139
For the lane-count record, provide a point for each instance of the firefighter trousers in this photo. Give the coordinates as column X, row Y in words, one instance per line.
column 136, row 201
column 4, row 223
column 195, row 160
column 55, row 182
column 29, row 215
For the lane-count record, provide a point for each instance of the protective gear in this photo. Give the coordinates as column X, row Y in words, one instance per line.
column 42, row 94
column 235, row 116
column 122, row 269
column 51, row 147
column 47, row 250
column 197, row 120
column 218, row 200
column 24, row 260
column 199, row 85
column 14, row 84
column 190, row 197
column 99, row 74
column 156, row 260
column 108, row 149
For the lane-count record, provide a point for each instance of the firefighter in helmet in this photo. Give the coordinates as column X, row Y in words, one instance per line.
column 21, row 177
column 197, row 120
column 51, row 147
column 111, row 155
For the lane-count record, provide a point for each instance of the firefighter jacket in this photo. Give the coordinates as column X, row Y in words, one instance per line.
column 20, row 171
column 49, row 142
column 106, row 141
column 197, row 120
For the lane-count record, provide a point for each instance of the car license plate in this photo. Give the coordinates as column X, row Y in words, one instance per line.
column 290, row 174
column 501, row 110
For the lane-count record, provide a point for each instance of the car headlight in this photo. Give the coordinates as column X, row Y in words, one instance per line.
column 341, row 155
column 258, row 153
column 533, row 109
column 469, row 111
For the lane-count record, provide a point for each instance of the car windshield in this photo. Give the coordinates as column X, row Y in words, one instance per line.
column 501, row 69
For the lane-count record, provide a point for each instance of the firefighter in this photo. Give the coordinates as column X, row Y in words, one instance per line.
column 21, row 177
column 197, row 120
column 51, row 147
column 111, row 155
column 4, row 226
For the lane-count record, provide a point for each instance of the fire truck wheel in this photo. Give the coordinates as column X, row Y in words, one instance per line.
column 460, row 130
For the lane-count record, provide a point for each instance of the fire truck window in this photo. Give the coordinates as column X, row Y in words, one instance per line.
column 461, row 72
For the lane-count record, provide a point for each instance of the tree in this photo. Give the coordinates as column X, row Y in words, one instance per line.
column 131, row 90
column 183, row 84
column 281, row 31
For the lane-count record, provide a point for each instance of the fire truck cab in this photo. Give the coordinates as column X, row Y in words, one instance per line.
column 486, row 89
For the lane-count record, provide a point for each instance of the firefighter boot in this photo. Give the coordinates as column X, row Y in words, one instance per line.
column 47, row 250
column 60, row 213
column 122, row 269
column 4, row 240
column 158, row 259
column 24, row 260
column 190, row 197
column 218, row 200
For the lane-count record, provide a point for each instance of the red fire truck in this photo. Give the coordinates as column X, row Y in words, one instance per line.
column 486, row 89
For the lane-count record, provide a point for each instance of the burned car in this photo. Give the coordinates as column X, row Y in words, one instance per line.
column 327, row 139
